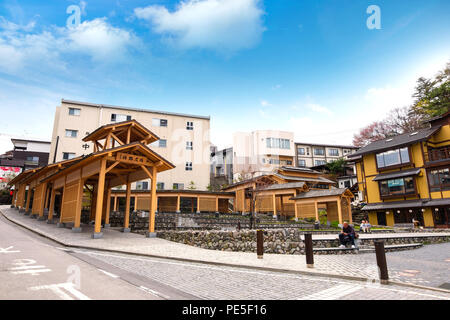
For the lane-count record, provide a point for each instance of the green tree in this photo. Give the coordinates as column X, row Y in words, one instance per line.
column 192, row 186
column 432, row 96
column 337, row 166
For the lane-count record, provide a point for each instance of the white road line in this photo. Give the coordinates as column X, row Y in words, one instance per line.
column 108, row 273
column 156, row 293
column 194, row 264
column 333, row 293
column 57, row 289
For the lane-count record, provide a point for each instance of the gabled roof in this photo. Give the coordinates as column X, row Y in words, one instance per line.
column 322, row 193
column 290, row 185
column 139, row 132
column 400, row 140
column 307, row 179
column 144, row 149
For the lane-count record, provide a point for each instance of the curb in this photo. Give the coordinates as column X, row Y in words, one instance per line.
column 278, row 270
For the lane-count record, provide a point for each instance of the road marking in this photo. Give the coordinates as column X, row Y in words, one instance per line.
column 156, row 293
column 108, row 273
column 58, row 290
column 8, row 250
column 333, row 293
column 231, row 269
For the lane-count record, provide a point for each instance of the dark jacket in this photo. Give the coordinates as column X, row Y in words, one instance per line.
column 348, row 230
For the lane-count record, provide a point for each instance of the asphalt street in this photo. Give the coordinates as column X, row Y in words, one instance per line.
column 33, row 267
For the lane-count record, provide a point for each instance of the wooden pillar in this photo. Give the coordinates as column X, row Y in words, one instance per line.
column 198, row 204
column 316, row 211
column 349, row 208
column 79, row 204
column 108, row 206
column 127, row 207
column 115, row 203
column 153, row 204
column 64, row 194
column 192, row 205
column 178, row 204
column 47, row 197
column 99, row 204
column 42, row 199
column 274, row 205
column 27, row 205
column 217, row 204
column 52, row 205
column 296, row 210
column 339, row 210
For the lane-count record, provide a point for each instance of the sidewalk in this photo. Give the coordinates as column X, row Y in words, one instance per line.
column 341, row 266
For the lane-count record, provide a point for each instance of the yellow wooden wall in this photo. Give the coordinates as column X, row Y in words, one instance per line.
column 69, row 201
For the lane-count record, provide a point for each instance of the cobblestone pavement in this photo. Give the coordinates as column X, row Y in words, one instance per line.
column 426, row 266
column 219, row 282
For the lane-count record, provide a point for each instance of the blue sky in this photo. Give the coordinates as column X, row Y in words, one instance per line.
column 308, row 66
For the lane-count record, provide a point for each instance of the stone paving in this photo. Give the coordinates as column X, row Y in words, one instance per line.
column 220, row 282
column 353, row 266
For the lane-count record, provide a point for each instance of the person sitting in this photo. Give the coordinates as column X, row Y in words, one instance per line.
column 365, row 226
column 347, row 235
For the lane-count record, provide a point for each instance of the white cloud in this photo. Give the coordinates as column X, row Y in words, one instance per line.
column 96, row 38
column 319, row 109
column 222, row 25
column 100, row 40
column 265, row 103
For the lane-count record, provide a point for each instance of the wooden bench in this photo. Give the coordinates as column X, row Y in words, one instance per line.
column 404, row 225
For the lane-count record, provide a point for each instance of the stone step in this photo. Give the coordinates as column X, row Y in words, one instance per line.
column 388, row 248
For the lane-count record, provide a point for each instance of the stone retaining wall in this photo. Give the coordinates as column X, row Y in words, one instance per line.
column 282, row 241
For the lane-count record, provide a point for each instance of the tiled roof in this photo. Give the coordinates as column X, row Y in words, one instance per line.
column 397, row 174
column 320, row 193
column 396, row 141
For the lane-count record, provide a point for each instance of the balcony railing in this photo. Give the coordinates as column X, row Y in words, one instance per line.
column 437, row 154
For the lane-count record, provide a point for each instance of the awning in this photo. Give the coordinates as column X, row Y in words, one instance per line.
column 394, row 205
column 397, row 174
column 437, row 203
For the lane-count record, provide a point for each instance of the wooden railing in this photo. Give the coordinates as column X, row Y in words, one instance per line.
column 437, row 154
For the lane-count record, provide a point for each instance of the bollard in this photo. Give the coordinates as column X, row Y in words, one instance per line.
column 259, row 244
column 309, row 250
column 239, row 226
column 381, row 261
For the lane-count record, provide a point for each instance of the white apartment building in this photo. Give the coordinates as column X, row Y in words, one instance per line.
column 311, row 154
column 184, row 139
column 261, row 151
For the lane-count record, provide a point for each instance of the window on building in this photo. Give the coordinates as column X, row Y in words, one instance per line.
column 142, row 185
column 439, row 179
column 274, row 161
column 74, row 111
column 32, row 160
column 319, row 151
column 278, row 143
column 161, row 143
column 301, row 163
column 188, row 166
column 347, row 184
column 71, row 133
column 333, row 152
column 189, row 145
column 399, row 186
column 178, row 186
column 301, row 151
column 319, row 162
column 160, row 186
column 119, row 117
column 392, row 157
column 68, row 155
column 289, row 162
column 189, row 125
column 156, row 122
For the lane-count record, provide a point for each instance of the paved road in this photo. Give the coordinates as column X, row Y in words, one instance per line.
column 32, row 267
column 119, row 276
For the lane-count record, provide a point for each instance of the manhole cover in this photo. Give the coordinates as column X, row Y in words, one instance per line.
column 445, row 285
